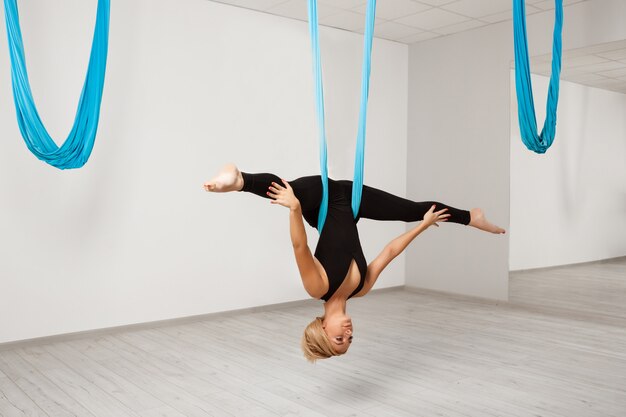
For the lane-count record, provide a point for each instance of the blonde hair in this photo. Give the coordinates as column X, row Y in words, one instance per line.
column 315, row 342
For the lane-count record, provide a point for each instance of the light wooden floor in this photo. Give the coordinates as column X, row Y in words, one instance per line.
column 558, row 349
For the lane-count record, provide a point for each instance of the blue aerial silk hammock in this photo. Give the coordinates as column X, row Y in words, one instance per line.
column 357, row 185
column 77, row 147
column 538, row 143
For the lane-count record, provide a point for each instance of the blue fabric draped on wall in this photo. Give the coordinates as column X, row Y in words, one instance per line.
column 538, row 143
column 76, row 149
column 357, row 186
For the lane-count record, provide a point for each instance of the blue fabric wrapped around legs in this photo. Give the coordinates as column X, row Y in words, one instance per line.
column 357, row 186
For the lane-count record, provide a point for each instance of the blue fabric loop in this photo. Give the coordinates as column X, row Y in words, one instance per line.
column 78, row 145
column 538, row 143
column 357, row 185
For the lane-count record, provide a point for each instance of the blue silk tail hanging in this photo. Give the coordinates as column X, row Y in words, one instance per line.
column 359, row 159
column 538, row 143
column 357, row 185
column 78, row 145
column 319, row 107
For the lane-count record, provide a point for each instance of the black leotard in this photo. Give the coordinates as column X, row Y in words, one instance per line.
column 339, row 241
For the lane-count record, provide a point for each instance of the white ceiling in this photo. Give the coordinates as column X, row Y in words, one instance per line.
column 601, row 66
column 410, row 21
column 405, row 21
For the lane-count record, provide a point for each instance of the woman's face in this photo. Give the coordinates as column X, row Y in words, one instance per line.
column 339, row 331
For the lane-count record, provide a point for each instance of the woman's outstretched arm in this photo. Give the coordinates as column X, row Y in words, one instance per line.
column 397, row 246
column 311, row 278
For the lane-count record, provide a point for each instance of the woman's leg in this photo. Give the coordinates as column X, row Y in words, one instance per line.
column 306, row 189
column 258, row 183
column 380, row 205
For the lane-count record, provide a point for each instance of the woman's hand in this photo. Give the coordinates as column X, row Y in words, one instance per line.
column 283, row 195
column 432, row 217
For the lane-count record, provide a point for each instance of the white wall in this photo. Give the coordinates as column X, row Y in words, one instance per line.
column 569, row 205
column 458, row 139
column 132, row 237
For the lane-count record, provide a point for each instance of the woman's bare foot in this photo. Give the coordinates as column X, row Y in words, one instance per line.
column 228, row 179
column 479, row 221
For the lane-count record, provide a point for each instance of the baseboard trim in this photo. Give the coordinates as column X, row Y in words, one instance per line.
column 547, row 268
column 455, row 296
column 64, row 337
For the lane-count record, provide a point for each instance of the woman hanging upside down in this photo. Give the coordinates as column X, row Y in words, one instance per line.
column 338, row 270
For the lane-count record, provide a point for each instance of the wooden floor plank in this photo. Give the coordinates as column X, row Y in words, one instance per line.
column 15, row 403
column 48, row 396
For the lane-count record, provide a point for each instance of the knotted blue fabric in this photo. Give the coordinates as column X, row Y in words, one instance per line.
column 538, row 143
column 78, row 145
column 357, row 185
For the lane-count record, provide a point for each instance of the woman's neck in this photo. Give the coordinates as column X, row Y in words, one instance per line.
column 336, row 305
